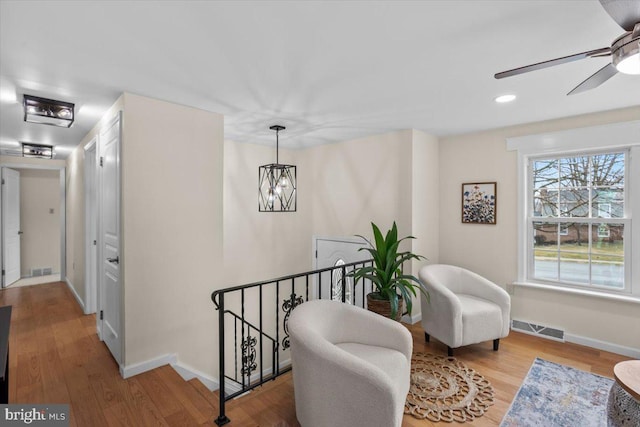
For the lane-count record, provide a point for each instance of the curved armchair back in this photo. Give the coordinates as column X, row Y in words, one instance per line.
column 350, row 366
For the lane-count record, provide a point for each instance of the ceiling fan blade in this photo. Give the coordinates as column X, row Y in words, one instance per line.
column 600, row 76
column 597, row 52
column 625, row 12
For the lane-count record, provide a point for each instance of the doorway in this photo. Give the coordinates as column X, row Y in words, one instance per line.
column 336, row 251
column 33, row 228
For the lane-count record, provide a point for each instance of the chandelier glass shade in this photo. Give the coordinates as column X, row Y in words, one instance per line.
column 277, row 184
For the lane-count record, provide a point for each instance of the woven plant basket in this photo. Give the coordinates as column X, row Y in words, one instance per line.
column 383, row 307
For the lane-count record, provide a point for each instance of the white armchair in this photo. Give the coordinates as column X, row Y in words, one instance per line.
column 351, row 367
column 465, row 307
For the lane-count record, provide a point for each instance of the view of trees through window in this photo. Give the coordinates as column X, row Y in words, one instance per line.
column 578, row 220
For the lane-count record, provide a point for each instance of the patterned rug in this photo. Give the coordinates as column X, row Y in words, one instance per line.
column 445, row 389
column 558, row 395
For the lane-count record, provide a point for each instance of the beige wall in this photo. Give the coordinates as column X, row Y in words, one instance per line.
column 425, row 212
column 380, row 179
column 172, row 230
column 491, row 250
column 40, row 246
column 354, row 183
column 262, row 245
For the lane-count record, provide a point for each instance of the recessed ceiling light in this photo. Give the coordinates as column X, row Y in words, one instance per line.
column 505, row 98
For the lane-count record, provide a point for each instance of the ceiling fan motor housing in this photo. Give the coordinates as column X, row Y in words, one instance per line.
column 626, row 47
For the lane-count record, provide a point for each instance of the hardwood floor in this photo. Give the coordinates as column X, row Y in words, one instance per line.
column 56, row 357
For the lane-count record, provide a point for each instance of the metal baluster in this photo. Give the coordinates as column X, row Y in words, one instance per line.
column 277, row 355
column 222, row 418
column 242, row 340
column 260, row 333
column 344, row 283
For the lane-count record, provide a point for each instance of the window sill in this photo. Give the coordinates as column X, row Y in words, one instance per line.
column 584, row 292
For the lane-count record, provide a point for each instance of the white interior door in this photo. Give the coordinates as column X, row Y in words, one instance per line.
column 10, row 225
column 338, row 251
column 109, row 238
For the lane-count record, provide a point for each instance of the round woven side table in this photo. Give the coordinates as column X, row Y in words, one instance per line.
column 623, row 407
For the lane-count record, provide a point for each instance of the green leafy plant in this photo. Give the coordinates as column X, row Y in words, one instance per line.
column 386, row 272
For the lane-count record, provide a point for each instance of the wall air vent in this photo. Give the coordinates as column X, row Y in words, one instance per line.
column 538, row 330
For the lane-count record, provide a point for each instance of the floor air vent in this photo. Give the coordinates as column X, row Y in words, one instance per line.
column 46, row 271
column 538, row 330
column 36, row 272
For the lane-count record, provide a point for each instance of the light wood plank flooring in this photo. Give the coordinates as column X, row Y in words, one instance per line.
column 56, row 357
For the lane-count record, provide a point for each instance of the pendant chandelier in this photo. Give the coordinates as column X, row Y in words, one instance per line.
column 277, row 184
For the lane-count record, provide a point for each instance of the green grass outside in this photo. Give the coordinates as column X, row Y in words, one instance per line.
column 605, row 252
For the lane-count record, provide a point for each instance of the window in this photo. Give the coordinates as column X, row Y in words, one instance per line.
column 569, row 198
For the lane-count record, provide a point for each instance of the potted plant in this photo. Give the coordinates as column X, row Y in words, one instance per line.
column 391, row 285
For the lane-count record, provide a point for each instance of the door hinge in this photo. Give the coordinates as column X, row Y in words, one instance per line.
column 95, row 242
column 101, row 315
column 101, row 161
column 2, row 181
column 3, row 272
column 316, row 253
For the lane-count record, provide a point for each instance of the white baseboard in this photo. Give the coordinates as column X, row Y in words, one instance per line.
column 188, row 373
column 75, row 294
column 603, row 345
column 413, row 319
column 138, row 368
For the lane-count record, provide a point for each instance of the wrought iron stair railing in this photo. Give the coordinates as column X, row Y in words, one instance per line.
column 254, row 319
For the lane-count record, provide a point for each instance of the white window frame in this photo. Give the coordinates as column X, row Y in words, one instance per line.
column 623, row 136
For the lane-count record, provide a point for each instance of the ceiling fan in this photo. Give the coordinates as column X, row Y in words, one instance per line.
column 624, row 51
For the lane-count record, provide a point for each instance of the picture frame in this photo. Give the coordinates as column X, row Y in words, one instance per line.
column 479, row 202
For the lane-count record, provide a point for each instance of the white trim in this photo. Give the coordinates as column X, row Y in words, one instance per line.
column 413, row 319
column 616, row 136
column 585, row 292
column 75, row 294
column 603, row 345
column 138, row 368
column 622, row 134
column 188, row 373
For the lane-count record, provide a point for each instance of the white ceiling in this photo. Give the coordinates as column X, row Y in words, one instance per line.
column 329, row 71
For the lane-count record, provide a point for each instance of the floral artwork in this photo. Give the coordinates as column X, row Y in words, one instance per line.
column 479, row 203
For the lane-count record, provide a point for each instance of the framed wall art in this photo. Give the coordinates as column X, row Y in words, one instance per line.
column 479, row 202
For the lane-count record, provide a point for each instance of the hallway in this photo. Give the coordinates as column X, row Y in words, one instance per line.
column 56, row 357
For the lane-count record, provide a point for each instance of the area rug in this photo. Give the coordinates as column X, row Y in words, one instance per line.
column 445, row 389
column 558, row 395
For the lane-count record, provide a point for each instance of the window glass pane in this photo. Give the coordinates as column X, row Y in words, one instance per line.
column 574, row 267
column 545, row 265
column 545, row 202
column 574, row 202
column 574, row 253
column 607, row 202
column 545, row 235
column 608, row 273
column 574, row 172
column 607, row 240
column 545, row 174
column 576, row 240
column 607, row 169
